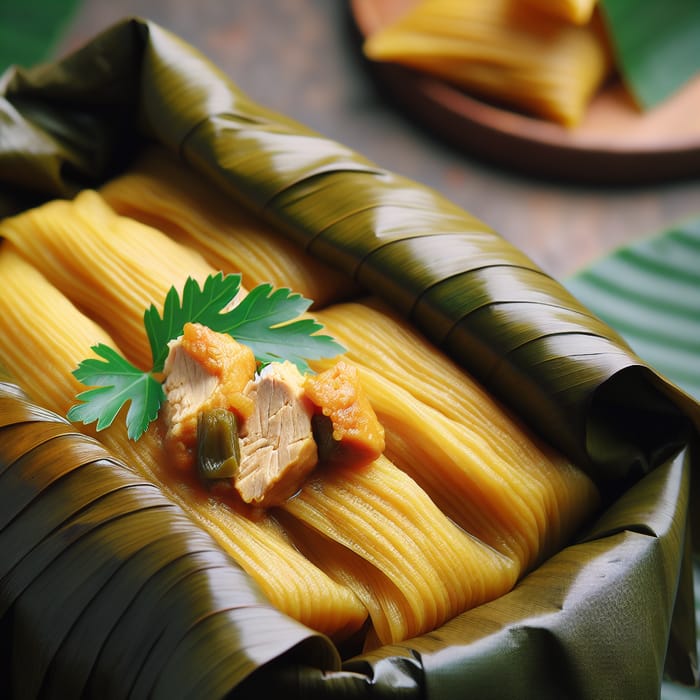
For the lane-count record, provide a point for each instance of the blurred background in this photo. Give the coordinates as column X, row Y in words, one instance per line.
column 303, row 58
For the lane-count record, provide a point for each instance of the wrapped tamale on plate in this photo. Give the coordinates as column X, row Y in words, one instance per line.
column 111, row 591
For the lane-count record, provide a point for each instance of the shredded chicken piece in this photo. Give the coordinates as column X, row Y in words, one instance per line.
column 352, row 435
column 278, row 413
column 277, row 445
column 204, row 370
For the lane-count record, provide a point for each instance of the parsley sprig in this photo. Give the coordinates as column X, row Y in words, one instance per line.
column 263, row 320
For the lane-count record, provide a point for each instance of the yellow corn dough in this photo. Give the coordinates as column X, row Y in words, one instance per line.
column 49, row 337
column 414, row 538
column 427, row 569
column 501, row 49
column 106, row 264
column 486, row 471
column 464, row 502
column 158, row 191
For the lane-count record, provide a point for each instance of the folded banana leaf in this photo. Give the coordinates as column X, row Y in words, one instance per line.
column 107, row 590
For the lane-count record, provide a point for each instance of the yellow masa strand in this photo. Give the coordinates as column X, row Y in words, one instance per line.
column 479, row 464
column 160, row 192
column 418, row 568
column 112, row 267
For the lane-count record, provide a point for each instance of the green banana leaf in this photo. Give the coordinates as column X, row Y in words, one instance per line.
column 158, row 610
column 30, row 29
column 655, row 45
column 134, row 552
column 650, row 292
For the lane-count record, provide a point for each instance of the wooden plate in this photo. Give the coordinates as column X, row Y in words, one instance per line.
column 615, row 143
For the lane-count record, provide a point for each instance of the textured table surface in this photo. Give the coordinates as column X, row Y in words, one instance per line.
column 302, row 58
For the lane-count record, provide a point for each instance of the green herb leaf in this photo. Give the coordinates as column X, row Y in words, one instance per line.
column 262, row 322
column 117, row 382
column 656, row 45
column 199, row 305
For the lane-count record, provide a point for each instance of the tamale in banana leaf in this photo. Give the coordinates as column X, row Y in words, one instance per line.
column 116, row 594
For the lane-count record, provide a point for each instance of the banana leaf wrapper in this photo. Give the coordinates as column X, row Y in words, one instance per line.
column 107, row 590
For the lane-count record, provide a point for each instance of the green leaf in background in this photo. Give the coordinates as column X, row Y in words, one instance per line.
column 650, row 293
column 30, row 29
column 656, row 44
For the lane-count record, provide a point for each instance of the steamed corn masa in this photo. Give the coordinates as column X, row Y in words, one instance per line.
column 503, row 50
column 488, row 473
column 29, row 306
column 158, row 191
column 108, row 265
column 380, row 514
column 49, row 337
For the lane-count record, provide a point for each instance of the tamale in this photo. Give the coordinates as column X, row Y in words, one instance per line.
column 511, row 522
column 501, row 49
column 587, row 605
